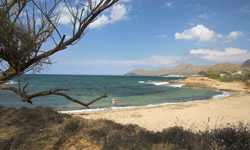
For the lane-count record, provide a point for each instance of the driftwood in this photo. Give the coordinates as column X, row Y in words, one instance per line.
column 28, row 98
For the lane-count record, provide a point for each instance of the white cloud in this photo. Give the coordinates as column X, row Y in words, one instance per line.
column 235, row 35
column 169, row 5
column 125, row 1
column 199, row 32
column 161, row 36
column 65, row 16
column 153, row 61
column 76, row 65
column 204, row 16
column 245, row 9
column 150, row 62
column 190, row 23
column 232, row 36
column 248, row 40
column 220, row 36
column 118, row 12
column 230, row 54
column 227, row 41
column 101, row 21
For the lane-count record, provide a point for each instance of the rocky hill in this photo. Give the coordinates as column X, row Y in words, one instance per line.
column 226, row 67
column 144, row 72
column 184, row 68
column 187, row 69
column 246, row 64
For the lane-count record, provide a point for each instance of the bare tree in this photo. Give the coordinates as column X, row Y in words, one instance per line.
column 26, row 25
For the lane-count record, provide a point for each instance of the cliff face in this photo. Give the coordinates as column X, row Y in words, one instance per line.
column 187, row 69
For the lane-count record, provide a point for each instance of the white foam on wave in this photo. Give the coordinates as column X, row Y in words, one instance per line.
column 11, row 82
column 99, row 109
column 83, row 110
column 224, row 94
column 161, row 83
column 154, row 82
column 176, row 85
column 117, row 108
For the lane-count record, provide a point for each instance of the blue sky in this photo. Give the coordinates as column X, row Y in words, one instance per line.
column 151, row 34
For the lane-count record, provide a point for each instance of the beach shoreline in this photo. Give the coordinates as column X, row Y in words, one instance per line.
column 193, row 115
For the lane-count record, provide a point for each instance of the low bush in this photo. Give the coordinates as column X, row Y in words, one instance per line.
column 44, row 128
column 226, row 76
column 226, row 79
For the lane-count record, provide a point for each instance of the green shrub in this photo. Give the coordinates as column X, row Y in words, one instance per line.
column 226, row 79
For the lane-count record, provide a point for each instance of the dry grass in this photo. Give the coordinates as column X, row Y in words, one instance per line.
column 44, row 128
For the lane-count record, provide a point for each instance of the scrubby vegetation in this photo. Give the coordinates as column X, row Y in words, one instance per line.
column 226, row 76
column 44, row 128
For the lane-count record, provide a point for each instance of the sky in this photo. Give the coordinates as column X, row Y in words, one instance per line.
column 151, row 34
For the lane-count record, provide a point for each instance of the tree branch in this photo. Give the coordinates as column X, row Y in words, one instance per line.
column 48, row 19
column 25, row 97
column 103, row 96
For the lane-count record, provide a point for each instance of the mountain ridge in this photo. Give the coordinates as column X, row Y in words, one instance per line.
column 189, row 69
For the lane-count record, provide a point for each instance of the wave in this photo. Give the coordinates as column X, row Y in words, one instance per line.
column 11, row 82
column 120, row 107
column 154, row 82
column 176, row 85
column 112, row 108
column 224, row 94
column 160, row 83
column 99, row 109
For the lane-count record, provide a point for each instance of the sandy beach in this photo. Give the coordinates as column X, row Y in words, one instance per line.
column 198, row 115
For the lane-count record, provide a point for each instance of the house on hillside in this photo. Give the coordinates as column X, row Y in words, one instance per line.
column 239, row 72
column 222, row 75
column 235, row 73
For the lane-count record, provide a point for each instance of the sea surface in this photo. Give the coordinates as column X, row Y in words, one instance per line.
column 128, row 91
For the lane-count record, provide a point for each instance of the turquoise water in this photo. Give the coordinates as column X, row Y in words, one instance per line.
column 130, row 91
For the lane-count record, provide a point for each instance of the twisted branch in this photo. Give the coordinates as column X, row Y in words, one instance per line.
column 28, row 98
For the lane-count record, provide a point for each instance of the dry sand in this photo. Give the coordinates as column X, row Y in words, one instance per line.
column 199, row 115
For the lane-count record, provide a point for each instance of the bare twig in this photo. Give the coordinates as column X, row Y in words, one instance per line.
column 48, row 19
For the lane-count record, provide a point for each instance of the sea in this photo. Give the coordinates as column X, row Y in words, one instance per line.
column 128, row 92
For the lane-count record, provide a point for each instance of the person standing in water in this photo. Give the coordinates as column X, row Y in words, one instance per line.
column 113, row 101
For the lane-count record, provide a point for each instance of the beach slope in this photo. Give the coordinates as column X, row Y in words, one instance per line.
column 199, row 115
